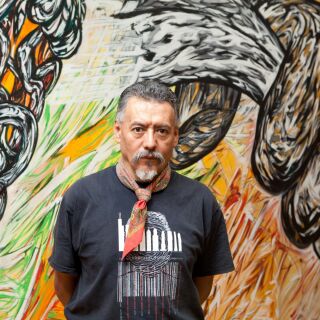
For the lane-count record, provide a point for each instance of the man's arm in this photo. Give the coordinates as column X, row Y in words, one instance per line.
column 64, row 284
column 204, row 285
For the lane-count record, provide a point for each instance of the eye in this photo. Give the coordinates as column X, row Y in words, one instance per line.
column 137, row 129
column 163, row 131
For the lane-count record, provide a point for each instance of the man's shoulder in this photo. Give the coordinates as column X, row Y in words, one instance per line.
column 196, row 191
column 89, row 183
column 192, row 184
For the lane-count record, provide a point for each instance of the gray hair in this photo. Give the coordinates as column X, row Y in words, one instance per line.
column 147, row 90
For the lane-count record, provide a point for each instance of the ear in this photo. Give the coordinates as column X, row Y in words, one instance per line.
column 117, row 131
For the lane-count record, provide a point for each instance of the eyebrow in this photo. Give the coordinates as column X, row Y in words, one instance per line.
column 137, row 123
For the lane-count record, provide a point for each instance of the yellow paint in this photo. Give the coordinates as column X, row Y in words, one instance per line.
column 226, row 160
column 87, row 142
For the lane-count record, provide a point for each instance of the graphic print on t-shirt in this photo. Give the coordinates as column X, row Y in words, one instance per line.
column 148, row 279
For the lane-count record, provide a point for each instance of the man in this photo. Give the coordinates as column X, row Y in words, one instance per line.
column 138, row 241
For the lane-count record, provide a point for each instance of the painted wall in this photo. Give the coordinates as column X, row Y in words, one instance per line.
column 247, row 77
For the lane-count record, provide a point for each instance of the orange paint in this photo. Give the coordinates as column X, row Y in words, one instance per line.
column 26, row 29
column 38, row 54
column 9, row 133
column 27, row 101
column 88, row 141
column 8, row 81
column 42, row 52
column 43, row 290
column 233, row 194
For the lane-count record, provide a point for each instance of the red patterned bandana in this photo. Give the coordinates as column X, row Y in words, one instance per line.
column 139, row 211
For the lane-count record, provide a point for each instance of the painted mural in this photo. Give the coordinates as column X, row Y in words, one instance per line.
column 247, row 77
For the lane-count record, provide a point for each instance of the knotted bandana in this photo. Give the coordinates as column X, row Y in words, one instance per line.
column 139, row 211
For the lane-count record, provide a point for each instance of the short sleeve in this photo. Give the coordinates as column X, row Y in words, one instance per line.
column 64, row 257
column 216, row 256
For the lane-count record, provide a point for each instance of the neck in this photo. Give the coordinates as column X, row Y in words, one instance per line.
column 143, row 184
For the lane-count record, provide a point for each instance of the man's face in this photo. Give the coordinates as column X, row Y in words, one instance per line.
column 147, row 134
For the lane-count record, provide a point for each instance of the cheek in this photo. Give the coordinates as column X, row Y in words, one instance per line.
column 130, row 146
column 167, row 149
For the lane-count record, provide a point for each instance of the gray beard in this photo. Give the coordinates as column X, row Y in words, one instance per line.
column 146, row 175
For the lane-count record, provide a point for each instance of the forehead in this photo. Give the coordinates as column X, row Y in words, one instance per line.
column 142, row 110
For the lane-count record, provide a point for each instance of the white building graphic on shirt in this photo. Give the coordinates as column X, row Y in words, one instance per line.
column 152, row 269
column 153, row 239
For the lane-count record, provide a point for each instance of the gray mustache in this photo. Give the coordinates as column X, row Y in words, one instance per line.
column 153, row 154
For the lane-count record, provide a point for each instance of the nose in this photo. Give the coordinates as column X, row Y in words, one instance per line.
column 149, row 142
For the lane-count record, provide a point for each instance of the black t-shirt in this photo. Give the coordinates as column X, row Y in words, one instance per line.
column 185, row 237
